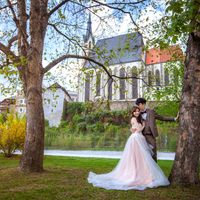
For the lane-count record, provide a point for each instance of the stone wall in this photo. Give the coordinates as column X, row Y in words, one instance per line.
column 124, row 105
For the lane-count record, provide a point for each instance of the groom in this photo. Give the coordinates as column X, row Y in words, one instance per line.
column 150, row 131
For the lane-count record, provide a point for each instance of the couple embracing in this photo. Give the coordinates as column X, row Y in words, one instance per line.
column 137, row 168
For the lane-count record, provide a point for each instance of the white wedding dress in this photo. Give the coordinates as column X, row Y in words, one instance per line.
column 136, row 169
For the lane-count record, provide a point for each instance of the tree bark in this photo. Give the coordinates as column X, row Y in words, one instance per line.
column 32, row 157
column 186, row 165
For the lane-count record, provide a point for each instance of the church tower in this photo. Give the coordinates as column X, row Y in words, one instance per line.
column 88, row 37
column 84, row 81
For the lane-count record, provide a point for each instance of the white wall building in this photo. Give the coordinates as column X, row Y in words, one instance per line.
column 53, row 103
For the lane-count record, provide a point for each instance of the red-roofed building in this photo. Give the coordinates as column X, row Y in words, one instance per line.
column 155, row 61
column 157, row 55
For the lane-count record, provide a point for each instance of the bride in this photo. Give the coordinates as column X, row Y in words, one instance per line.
column 136, row 169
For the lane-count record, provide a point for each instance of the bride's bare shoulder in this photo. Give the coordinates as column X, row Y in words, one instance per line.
column 133, row 120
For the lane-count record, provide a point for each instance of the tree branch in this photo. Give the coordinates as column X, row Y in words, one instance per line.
column 17, row 22
column 13, row 13
column 60, row 59
column 13, row 39
column 4, row 7
column 109, row 5
column 75, row 42
column 57, row 7
column 8, row 52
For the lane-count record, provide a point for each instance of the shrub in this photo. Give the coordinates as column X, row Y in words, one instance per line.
column 99, row 127
column 3, row 117
column 12, row 134
column 90, row 128
column 77, row 119
column 91, row 118
column 72, row 108
column 81, row 127
column 46, row 122
column 63, row 124
column 51, row 133
column 168, row 108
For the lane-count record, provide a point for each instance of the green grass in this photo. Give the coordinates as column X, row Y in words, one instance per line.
column 66, row 178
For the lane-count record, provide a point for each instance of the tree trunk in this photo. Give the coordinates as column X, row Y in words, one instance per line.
column 32, row 158
column 186, row 165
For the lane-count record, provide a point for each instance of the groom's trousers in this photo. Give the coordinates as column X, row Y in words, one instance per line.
column 152, row 141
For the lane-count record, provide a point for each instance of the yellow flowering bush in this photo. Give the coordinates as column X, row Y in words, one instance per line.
column 12, row 134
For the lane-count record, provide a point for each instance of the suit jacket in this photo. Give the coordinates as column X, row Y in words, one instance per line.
column 150, row 123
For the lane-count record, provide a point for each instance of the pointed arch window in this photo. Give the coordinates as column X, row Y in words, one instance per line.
column 110, row 86
column 87, row 87
column 166, row 77
column 98, row 83
column 150, row 78
column 90, row 44
column 122, row 84
column 157, row 77
column 134, row 83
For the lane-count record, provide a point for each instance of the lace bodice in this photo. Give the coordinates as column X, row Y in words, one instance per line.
column 136, row 125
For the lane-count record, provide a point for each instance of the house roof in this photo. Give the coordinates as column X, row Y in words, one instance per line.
column 157, row 55
column 119, row 49
column 9, row 101
column 58, row 86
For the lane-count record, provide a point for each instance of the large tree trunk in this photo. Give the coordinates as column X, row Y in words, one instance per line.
column 186, row 164
column 32, row 157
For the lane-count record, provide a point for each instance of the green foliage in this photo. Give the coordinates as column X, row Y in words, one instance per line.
column 167, row 108
column 99, row 127
column 81, row 127
column 172, row 91
column 3, row 118
column 184, row 17
column 181, row 18
column 72, row 108
column 76, row 108
column 91, row 118
column 46, row 122
column 78, row 118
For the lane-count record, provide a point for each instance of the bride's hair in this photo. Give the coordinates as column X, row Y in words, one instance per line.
column 139, row 118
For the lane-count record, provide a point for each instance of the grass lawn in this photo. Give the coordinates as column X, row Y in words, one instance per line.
column 66, row 178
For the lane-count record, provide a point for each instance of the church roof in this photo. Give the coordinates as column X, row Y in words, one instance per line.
column 119, row 49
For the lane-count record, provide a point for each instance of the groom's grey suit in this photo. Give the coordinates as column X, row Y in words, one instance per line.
column 150, row 130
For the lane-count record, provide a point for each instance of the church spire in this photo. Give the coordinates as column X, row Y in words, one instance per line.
column 88, row 30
